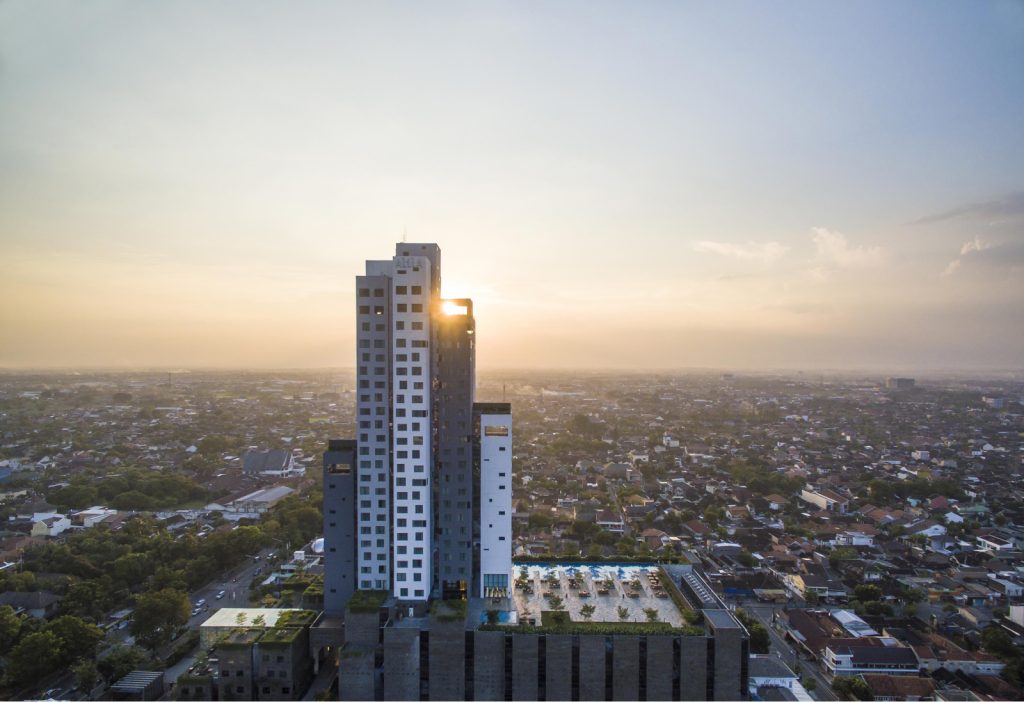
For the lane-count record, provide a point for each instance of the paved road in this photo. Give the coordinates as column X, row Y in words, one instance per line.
column 235, row 585
column 763, row 613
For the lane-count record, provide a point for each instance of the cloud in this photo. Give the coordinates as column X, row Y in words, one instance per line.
column 1010, row 206
column 833, row 250
column 767, row 252
column 975, row 244
column 979, row 252
column 952, row 268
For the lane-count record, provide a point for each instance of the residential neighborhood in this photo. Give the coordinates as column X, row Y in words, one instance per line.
column 870, row 536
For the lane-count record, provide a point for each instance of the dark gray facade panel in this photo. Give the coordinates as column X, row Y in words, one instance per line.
column 659, row 667
column 626, row 668
column 729, row 683
column 236, row 672
column 447, row 660
column 693, row 666
column 373, row 418
column 339, row 506
column 524, row 667
column 356, row 674
column 558, row 668
column 401, row 664
column 592, row 667
column 454, row 453
column 489, row 665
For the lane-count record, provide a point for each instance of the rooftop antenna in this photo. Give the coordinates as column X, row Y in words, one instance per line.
column 503, row 392
column 403, row 235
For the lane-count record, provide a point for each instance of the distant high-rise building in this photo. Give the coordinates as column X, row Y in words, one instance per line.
column 899, row 383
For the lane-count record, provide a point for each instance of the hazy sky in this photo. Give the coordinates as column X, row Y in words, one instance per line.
column 622, row 184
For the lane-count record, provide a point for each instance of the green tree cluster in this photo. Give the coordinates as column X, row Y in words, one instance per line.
column 760, row 641
column 998, row 642
column 132, row 490
column 56, row 645
column 157, row 617
column 108, row 566
column 851, row 688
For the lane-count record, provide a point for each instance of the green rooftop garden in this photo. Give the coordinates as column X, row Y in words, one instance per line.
column 367, row 601
column 280, row 635
column 559, row 623
column 239, row 637
column 449, row 611
column 295, row 618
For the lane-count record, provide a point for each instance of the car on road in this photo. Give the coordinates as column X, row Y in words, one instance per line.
column 200, row 602
column 220, row 595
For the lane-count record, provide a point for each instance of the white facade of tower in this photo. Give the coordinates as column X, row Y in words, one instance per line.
column 411, row 434
column 395, row 395
column 495, row 504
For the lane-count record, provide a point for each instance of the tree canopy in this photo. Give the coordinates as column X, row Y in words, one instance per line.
column 158, row 615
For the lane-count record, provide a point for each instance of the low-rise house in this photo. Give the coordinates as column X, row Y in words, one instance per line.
column 816, row 580
column 804, row 629
column 1011, row 589
column 612, row 521
column 899, row 688
column 49, row 524
column 255, row 502
column 854, row 537
column 853, row 625
column 41, row 604
column 846, row 657
column 769, row 672
column 991, row 542
column 929, row 529
column 655, row 538
column 696, row 528
column 276, row 463
column 826, row 499
column 639, row 457
column 91, row 517
column 939, row 653
column 617, row 471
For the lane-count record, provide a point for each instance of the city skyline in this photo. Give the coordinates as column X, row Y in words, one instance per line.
column 659, row 187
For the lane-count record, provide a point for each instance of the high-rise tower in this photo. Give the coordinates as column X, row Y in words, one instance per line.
column 414, row 411
column 455, row 346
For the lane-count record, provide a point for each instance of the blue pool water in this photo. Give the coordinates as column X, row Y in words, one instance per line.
column 503, row 617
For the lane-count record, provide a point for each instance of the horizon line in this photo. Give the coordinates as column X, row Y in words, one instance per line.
column 880, row 369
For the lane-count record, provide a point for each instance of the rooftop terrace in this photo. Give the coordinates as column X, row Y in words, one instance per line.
column 606, row 587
